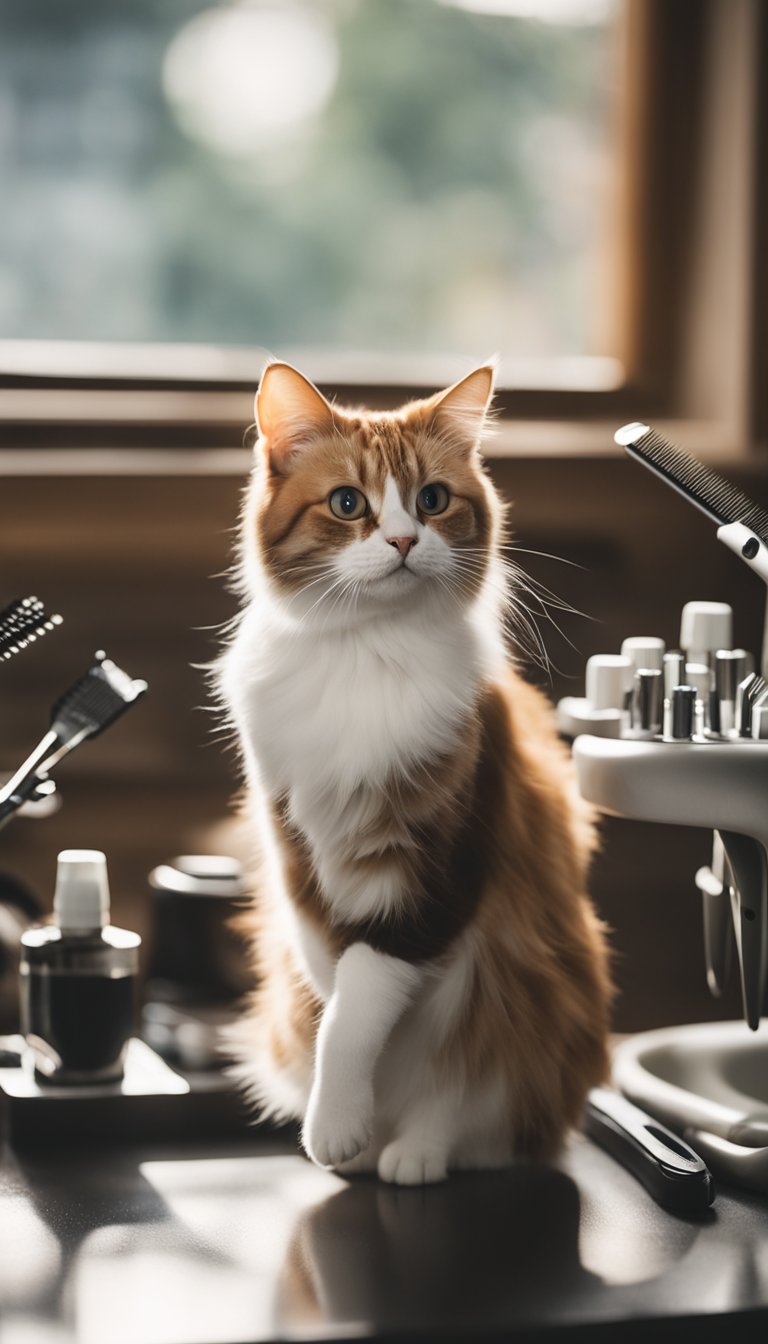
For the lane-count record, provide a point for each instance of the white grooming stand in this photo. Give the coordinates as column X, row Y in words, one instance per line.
column 707, row 1081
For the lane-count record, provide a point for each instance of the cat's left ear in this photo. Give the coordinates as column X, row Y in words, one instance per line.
column 462, row 408
column 290, row 414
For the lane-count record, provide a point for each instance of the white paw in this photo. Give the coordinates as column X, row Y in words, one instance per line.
column 407, row 1162
column 337, row 1129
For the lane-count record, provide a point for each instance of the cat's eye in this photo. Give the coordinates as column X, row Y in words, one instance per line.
column 348, row 503
column 433, row 499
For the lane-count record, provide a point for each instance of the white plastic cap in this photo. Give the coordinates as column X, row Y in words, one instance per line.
column 705, row 627
column 81, row 900
column 609, row 677
column 644, row 651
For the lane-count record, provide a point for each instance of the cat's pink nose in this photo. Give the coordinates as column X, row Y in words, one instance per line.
column 403, row 544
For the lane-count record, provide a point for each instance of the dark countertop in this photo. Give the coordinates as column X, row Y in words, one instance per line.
column 246, row 1241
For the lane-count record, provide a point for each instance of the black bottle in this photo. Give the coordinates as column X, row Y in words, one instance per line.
column 78, row 979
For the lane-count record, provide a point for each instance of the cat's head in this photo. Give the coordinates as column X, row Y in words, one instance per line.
column 355, row 512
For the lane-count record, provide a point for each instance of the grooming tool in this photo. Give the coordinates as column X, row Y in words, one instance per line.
column 647, row 702
column 644, row 651
column 760, row 716
column 683, row 713
column 722, row 502
column 731, row 667
column 674, row 672
column 700, row 677
column 85, row 710
column 603, row 710
column 715, row 887
column 748, row 862
column 608, row 678
column 742, row 525
column 717, row 897
column 674, row 675
column 748, row 692
column 672, row 1173
column 704, row 628
column 22, row 622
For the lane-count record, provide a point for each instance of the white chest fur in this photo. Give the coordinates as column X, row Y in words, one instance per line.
column 322, row 714
column 326, row 720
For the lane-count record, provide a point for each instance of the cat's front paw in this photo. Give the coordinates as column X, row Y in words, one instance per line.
column 338, row 1128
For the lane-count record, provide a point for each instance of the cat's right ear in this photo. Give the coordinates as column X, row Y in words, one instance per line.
column 290, row 414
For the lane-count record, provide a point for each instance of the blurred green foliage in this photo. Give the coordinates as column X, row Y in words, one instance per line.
column 449, row 197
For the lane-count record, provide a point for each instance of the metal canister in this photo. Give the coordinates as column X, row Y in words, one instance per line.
column 197, row 956
column 199, row 968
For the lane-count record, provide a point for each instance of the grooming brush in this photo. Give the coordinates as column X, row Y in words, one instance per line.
column 742, row 525
column 85, row 710
column 22, row 622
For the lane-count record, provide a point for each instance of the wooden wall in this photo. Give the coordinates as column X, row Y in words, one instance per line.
column 132, row 563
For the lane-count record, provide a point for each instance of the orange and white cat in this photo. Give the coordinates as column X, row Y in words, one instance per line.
column 432, row 984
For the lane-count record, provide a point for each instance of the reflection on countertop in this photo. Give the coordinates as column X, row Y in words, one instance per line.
column 252, row 1243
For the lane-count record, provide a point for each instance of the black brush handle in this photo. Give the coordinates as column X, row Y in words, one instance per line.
column 672, row 1173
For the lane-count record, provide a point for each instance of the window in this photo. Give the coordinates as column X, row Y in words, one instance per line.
column 419, row 177
column 384, row 191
